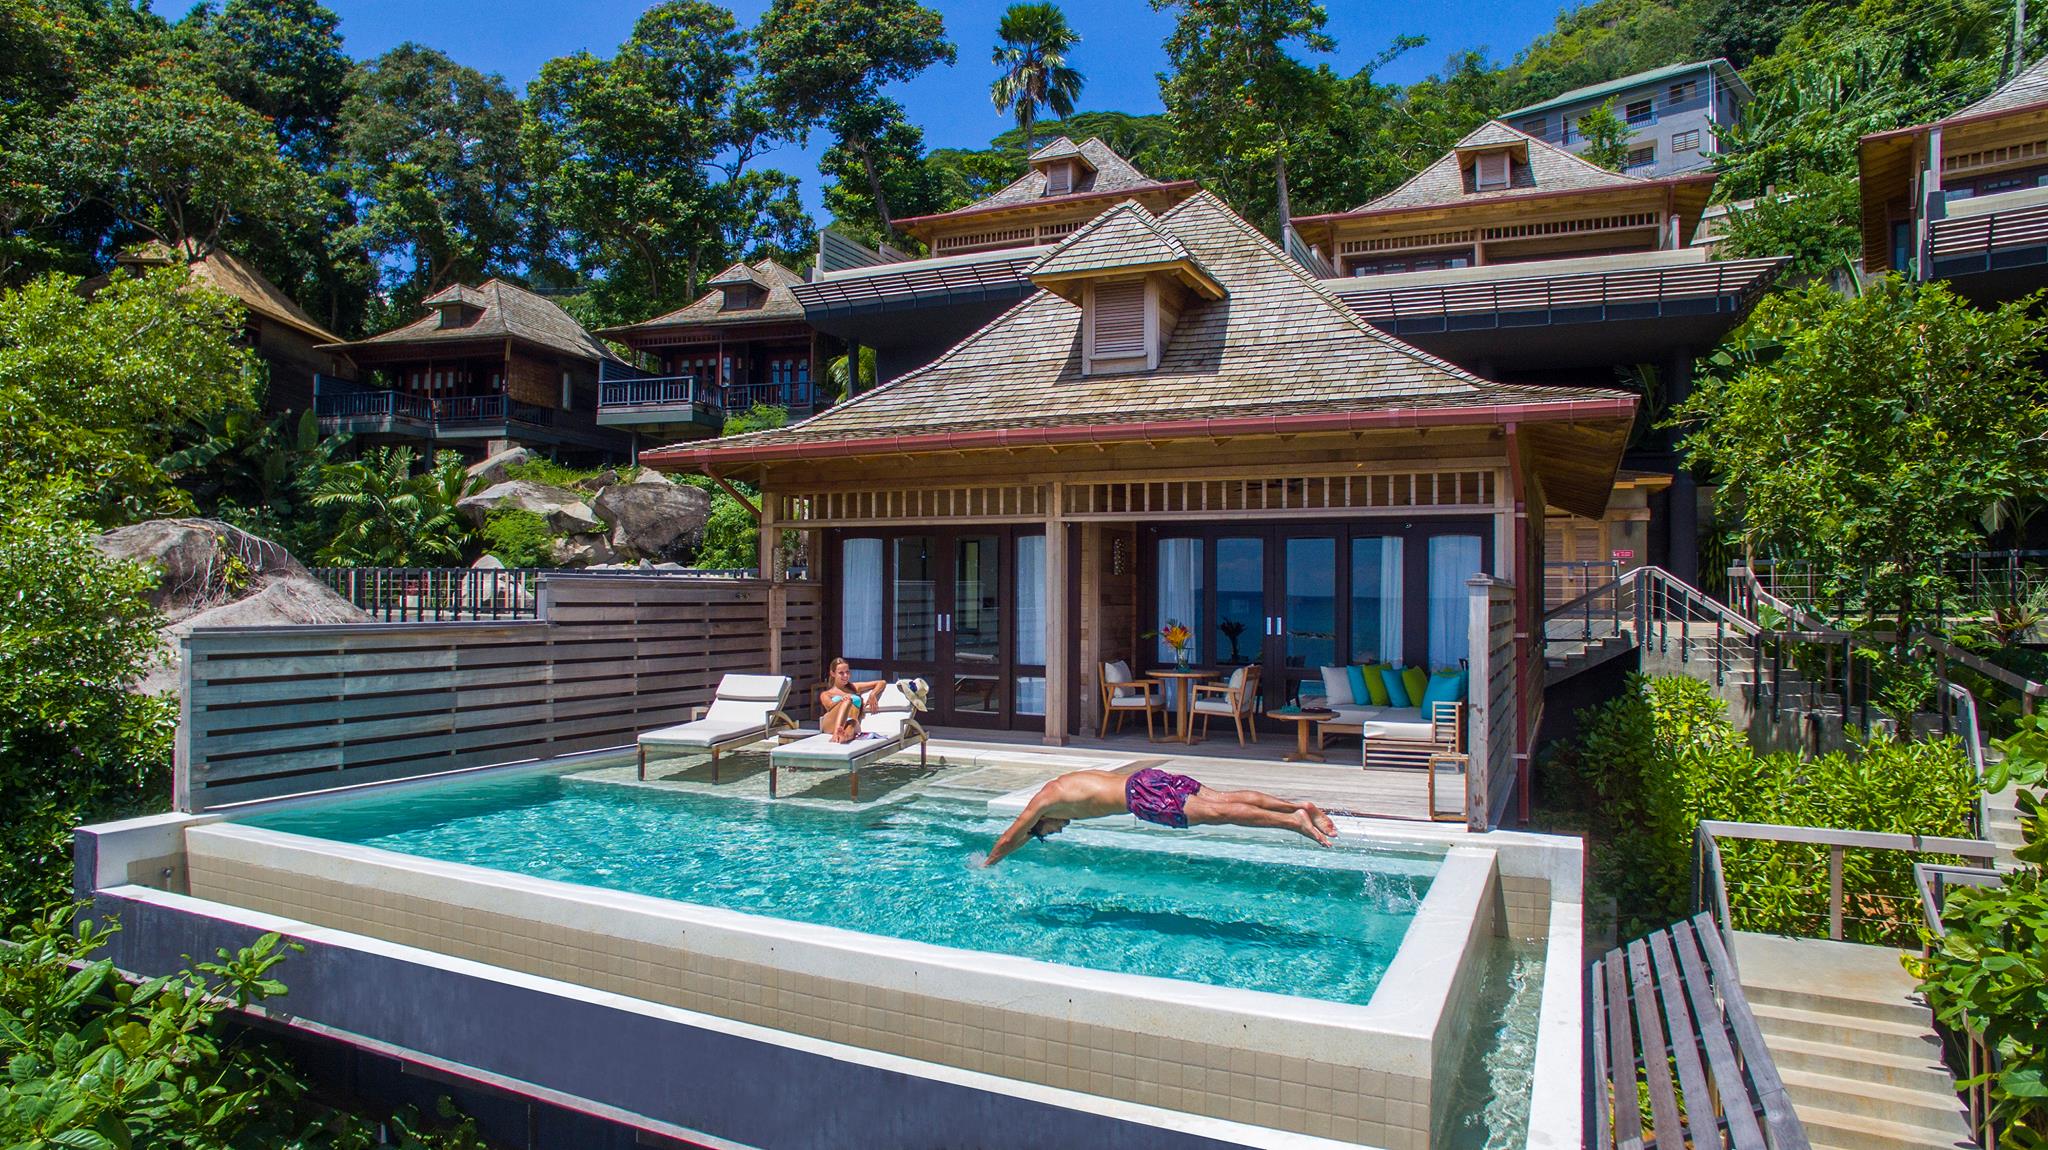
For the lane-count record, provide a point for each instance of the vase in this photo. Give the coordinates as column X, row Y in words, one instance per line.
column 1180, row 660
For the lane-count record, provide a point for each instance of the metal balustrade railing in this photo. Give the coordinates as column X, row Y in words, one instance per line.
column 372, row 405
column 454, row 594
column 1666, row 616
column 1974, row 1060
column 1975, row 582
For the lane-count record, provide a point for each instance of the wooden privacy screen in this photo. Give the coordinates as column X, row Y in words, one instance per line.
column 1490, row 687
column 271, row 711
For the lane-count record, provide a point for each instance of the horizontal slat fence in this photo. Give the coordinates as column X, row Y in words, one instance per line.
column 272, row 711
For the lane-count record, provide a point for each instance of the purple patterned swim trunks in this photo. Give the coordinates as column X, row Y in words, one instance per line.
column 1159, row 797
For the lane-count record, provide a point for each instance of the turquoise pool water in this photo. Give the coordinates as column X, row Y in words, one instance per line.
column 1280, row 915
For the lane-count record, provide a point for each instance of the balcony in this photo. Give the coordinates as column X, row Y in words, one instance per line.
column 344, row 407
column 671, row 400
column 1995, row 247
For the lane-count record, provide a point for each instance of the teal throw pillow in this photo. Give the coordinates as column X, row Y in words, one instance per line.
column 1360, row 692
column 1396, row 687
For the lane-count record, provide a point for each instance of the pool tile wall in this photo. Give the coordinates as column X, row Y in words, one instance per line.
column 1346, row 1101
column 1525, row 905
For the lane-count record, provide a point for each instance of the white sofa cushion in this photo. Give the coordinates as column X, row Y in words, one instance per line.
column 1337, row 687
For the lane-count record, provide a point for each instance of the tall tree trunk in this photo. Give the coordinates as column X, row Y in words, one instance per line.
column 1281, row 202
column 1025, row 119
column 867, row 163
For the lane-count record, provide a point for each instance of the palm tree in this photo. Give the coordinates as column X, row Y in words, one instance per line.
column 1032, row 45
column 388, row 516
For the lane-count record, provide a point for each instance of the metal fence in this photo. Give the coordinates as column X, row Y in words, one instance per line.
column 455, row 594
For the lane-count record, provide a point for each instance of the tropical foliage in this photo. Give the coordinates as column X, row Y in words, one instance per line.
column 1653, row 763
column 1032, row 43
column 388, row 512
column 1868, row 435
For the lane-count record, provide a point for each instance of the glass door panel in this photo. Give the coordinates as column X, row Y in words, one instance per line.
column 1308, row 610
column 1375, row 600
column 860, row 602
column 1452, row 560
column 1237, row 632
column 973, row 629
column 915, row 638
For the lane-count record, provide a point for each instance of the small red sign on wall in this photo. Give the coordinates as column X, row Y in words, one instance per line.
column 1621, row 553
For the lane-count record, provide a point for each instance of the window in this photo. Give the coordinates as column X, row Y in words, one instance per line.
column 1639, row 112
column 1116, row 321
column 1059, row 179
column 1685, row 142
column 1537, row 126
column 1680, row 93
column 568, row 403
column 1641, row 157
column 1433, row 261
column 1490, row 171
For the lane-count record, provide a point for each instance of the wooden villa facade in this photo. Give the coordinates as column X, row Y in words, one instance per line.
column 485, row 368
column 743, row 343
column 1182, row 425
column 1521, row 262
column 1964, row 199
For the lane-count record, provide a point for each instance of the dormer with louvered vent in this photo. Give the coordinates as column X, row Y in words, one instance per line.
column 1132, row 280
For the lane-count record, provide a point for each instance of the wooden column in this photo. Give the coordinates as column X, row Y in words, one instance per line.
column 1058, row 691
column 768, row 555
column 1090, row 622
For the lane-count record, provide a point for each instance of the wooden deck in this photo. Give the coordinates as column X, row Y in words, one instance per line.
column 985, row 764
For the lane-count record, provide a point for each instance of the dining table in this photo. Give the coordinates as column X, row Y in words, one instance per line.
column 1184, row 706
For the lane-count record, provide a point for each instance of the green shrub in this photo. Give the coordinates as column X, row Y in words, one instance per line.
column 76, row 744
column 1989, row 971
column 539, row 470
column 519, row 538
column 96, row 1062
column 1663, row 757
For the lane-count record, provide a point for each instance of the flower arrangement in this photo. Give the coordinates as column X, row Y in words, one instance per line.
column 1177, row 635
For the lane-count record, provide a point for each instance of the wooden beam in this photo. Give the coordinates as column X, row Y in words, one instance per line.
column 1057, row 687
column 729, row 489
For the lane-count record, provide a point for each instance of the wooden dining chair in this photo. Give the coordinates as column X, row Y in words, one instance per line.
column 1236, row 697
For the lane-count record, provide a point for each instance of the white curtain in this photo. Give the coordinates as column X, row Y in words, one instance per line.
column 1452, row 560
column 1391, row 622
column 860, row 600
column 1180, row 593
column 1030, row 603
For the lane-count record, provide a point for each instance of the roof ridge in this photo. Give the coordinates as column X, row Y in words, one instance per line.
column 1106, row 217
column 1329, row 298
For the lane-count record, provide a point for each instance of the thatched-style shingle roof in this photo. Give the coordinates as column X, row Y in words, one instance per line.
column 507, row 311
column 1547, row 169
column 731, row 300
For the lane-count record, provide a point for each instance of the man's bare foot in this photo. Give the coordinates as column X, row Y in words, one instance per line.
column 1307, row 826
column 1316, row 815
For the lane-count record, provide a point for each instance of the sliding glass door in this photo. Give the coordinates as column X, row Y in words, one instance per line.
column 959, row 609
column 1297, row 599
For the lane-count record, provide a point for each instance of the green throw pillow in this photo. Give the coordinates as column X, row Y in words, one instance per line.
column 1417, row 681
column 1376, row 684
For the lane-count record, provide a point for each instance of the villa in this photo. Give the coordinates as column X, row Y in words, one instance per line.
column 484, row 369
column 743, row 343
column 1671, row 114
column 1965, row 198
column 1521, row 262
column 910, row 310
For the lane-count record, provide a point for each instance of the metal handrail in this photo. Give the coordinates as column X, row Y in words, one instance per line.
column 1650, row 599
column 1980, row 1058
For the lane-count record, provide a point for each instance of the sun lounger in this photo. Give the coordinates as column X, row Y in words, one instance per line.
column 745, row 709
column 893, row 719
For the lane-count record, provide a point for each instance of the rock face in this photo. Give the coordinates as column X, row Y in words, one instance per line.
column 497, row 468
column 215, row 575
column 564, row 509
column 654, row 520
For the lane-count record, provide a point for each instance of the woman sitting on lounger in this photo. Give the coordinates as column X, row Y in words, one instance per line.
column 1157, row 797
column 842, row 702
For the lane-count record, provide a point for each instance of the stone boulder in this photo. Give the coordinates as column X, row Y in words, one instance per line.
column 564, row 510
column 215, row 575
column 497, row 469
column 584, row 551
column 598, row 482
column 653, row 478
column 654, row 520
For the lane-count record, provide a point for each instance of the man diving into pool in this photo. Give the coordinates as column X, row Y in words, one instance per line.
column 1157, row 797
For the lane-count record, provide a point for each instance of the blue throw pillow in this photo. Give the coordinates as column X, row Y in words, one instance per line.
column 1359, row 694
column 1444, row 687
column 1397, row 691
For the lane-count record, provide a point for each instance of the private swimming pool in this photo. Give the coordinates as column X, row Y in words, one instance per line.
column 1275, row 914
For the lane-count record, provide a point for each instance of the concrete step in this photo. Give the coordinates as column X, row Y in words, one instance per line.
column 1821, row 1000
column 1927, row 1109
column 1835, row 1130
column 1901, row 1038
column 1921, row 1071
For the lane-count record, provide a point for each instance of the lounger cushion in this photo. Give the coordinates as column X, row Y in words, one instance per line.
column 821, row 749
column 754, row 711
column 1418, row 730
column 702, row 733
column 765, row 688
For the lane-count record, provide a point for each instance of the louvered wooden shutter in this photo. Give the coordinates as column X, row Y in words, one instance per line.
column 1492, row 171
column 1059, row 179
column 1119, row 320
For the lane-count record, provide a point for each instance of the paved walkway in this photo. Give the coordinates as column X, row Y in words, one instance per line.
column 986, row 764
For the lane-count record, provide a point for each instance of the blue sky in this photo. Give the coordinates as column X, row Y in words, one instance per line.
column 1119, row 53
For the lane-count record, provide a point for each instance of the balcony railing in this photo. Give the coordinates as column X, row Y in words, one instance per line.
column 373, row 405
column 796, row 396
column 462, row 409
column 656, row 391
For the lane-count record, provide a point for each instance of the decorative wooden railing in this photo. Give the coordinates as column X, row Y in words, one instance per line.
column 652, row 391
column 1970, row 240
column 270, row 711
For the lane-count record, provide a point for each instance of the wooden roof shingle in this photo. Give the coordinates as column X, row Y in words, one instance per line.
column 1110, row 173
column 507, row 312
column 2028, row 87
column 225, row 271
column 1549, row 169
column 1280, row 344
column 711, row 308
column 1124, row 236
